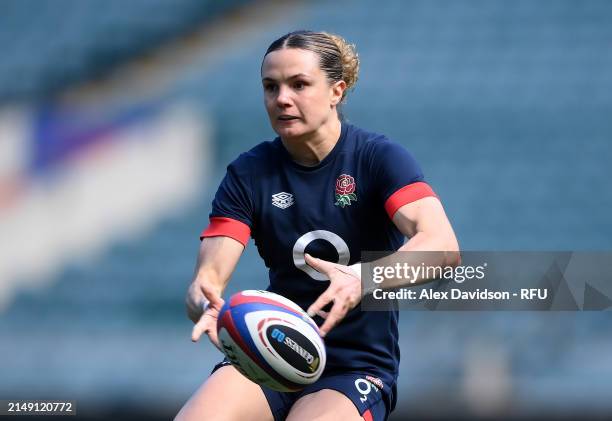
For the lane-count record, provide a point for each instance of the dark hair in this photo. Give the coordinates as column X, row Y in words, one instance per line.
column 338, row 59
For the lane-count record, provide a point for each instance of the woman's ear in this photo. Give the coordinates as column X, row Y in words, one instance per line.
column 337, row 91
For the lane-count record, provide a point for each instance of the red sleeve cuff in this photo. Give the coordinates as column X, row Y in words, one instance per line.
column 407, row 194
column 227, row 227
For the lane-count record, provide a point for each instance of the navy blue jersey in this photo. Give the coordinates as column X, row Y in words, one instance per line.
column 333, row 211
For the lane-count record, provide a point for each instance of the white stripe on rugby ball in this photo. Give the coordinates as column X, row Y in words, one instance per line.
column 269, row 353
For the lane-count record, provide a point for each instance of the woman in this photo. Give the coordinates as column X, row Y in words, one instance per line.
column 325, row 188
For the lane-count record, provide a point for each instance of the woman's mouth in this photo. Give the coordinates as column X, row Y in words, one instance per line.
column 286, row 117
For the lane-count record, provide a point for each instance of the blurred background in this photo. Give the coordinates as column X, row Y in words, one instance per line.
column 117, row 120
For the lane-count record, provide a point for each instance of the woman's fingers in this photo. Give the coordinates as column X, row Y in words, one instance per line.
column 211, row 331
column 199, row 328
column 336, row 314
column 206, row 325
column 323, row 300
column 323, row 314
column 320, row 265
column 340, row 277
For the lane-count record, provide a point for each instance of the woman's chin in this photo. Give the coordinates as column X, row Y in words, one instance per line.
column 287, row 132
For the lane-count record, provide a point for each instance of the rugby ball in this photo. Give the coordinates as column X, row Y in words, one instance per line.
column 271, row 340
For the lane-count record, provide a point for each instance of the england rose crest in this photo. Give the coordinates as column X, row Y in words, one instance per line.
column 345, row 190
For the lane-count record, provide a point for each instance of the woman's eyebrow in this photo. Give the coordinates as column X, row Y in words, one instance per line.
column 269, row 79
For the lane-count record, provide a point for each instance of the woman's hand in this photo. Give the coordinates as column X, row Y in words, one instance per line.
column 217, row 260
column 203, row 306
column 344, row 291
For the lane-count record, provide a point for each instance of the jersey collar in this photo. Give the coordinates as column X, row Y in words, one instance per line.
column 330, row 156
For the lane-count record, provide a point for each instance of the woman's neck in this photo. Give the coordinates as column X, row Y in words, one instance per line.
column 310, row 149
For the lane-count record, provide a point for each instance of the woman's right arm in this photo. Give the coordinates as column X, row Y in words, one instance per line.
column 216, row 262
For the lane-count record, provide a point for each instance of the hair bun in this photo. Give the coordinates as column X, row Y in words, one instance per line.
column 350, row 60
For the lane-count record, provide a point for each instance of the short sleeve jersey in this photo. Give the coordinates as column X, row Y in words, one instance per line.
column 334, row 210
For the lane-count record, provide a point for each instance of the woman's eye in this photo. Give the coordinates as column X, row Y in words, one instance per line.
column 299, row 85
column 269, row 88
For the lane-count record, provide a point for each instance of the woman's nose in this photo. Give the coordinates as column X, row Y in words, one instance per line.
column 283, row 98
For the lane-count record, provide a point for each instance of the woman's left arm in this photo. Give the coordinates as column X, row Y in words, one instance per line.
column 424, row 222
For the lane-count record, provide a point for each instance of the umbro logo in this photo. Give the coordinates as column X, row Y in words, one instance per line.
column 282, row 200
